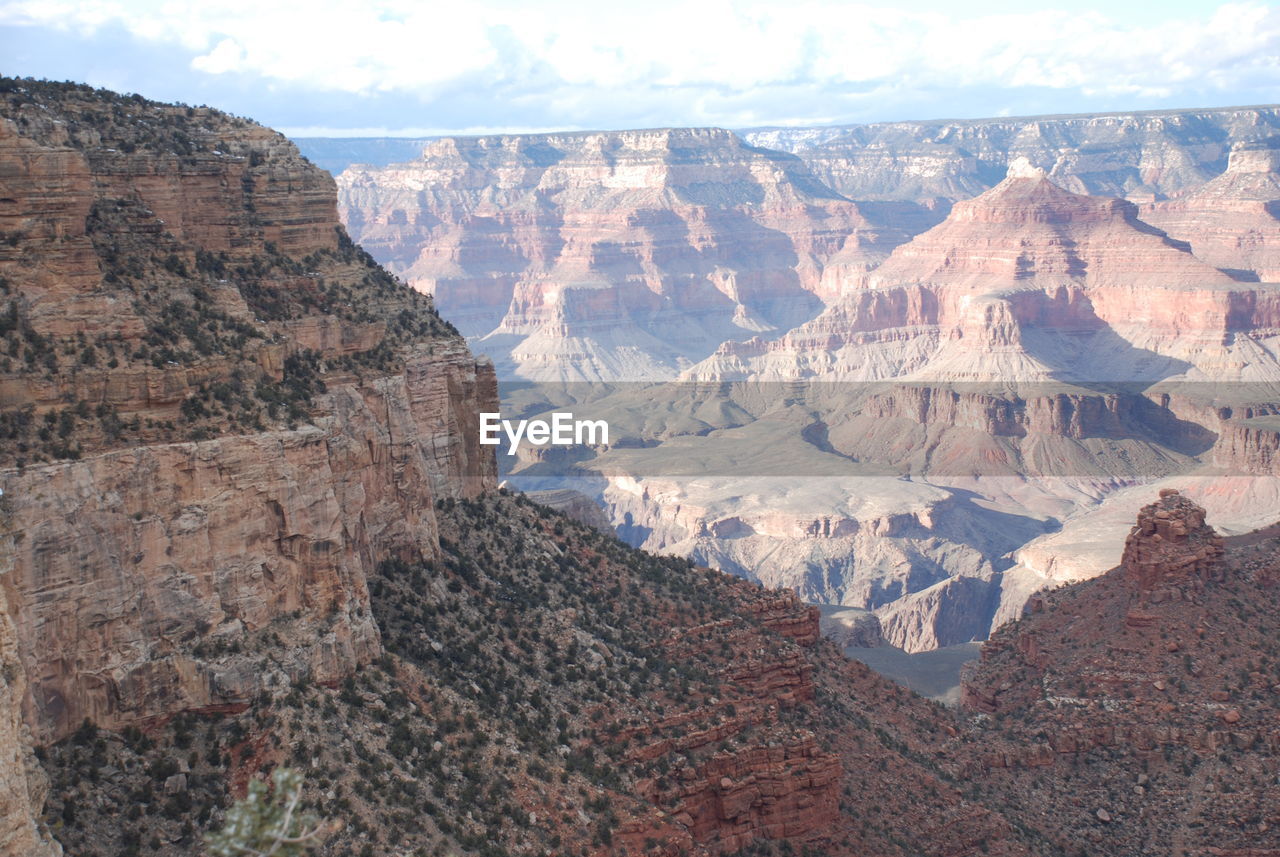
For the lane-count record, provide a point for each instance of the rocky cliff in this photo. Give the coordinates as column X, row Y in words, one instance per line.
column 23, row 784
column 1140, row 155
column 1029, row 282
column 244, row 492
column 1039, row 348
column 621, row 255
column 218, row 413
column 1233, row 221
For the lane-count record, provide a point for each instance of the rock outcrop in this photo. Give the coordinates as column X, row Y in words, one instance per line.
column 1149, row 688
column 1171, row 545
column 621, row 255
column 219, row 414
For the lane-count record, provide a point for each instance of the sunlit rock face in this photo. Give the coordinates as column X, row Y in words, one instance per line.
column 621, row 255
column 1233, row 221
column 1141, row 155
column 1024, row 283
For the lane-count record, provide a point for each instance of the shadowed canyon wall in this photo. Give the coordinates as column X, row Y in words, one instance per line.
column 218, row 413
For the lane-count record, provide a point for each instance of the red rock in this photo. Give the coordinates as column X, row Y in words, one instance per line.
column 1170, row 545
column 1232, row 221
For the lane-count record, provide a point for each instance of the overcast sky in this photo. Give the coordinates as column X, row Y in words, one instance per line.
column 415, row 67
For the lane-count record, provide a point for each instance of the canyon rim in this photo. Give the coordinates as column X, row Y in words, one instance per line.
column 726, row 481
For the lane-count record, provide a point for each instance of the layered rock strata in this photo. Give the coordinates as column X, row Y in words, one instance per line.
column 222, row 413
column 1232, row 221
column 1028, row 283
column 23, row 784
column 1020, row 338
column 621, row 255
column 1139, row 154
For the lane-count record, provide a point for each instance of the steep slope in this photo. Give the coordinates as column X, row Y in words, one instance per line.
column 218, row 414
column 1139, row 154
column 619, row 255
column 547, row 690
column 1147, row 696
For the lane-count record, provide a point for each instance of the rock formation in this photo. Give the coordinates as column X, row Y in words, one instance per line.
column 1138, row 155
column 1171, row 545
column 221, row 413
column 1026, row 283
column 1233, row 221
column 1014, row 340
column 1149, row 689
column 276, row 541
column 622, row 255
column 23, row 783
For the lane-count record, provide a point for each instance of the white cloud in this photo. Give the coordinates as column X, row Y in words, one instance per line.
column 226, row 56
column 568, row 55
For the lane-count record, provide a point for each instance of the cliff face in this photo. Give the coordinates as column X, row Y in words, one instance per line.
column 1048, row 343
column 1233, row 221
column 23, row 783
column 1135, row 155
column 1027, row 282
column 621, row 255
column 222, row 414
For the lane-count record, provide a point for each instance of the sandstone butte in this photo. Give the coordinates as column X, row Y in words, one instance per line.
column 278, row 543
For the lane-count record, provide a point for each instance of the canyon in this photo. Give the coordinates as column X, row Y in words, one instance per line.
column 1026, row 318
column 608, row 256
column 247, row 522
column 1139, row 155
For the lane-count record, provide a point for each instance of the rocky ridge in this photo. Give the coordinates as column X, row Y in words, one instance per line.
column 218, row 413
column 1141, row 155
column 1151, row 689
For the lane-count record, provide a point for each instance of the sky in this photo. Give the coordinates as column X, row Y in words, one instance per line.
column 419, row 67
